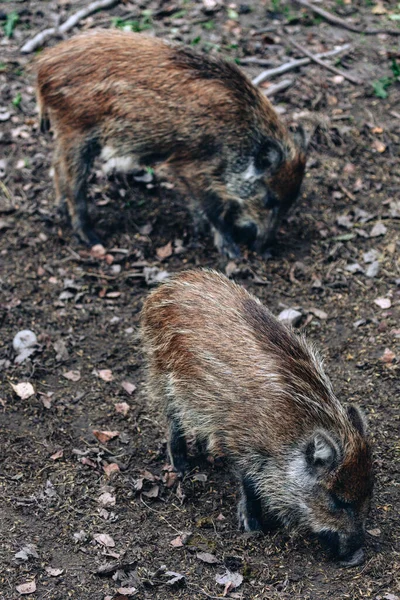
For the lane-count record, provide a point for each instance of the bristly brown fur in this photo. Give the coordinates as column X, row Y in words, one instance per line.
column 141, row 100
column 224, row 368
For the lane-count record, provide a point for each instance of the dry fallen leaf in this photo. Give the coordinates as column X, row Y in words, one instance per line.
column 229, row 580
column 72, row 375
column 27, row 588
column 388, row 356
column 122, row 408
column 165, row 251
column 57, row 455
column 153, row 492
column 106, row 499
column 104, row 540
column 383, row 303
column 177, row 542
column 374, row 532
column 110, row 469
column 105, row 374
column 105, row 436
column 54, row 572
column 378, row 229
column 207, row 558
column 128, row 387
column 127, row 591
column 24, row 389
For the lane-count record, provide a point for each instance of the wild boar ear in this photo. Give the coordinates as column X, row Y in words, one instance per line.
column 357, row 419
column 269, row 155
column 300, row 137
column 322, row 452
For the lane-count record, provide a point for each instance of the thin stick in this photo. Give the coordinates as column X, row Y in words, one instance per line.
column 278, row 87
column 341, row 23
column 73, row 20
column 320, row 62
column 293, row 64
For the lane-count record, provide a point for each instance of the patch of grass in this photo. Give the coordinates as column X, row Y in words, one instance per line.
column 381, row 85
column 17, row 100
column 145, row 22
column 209, row 25
column 3, row 66
column 179, row 14
column 10, row 24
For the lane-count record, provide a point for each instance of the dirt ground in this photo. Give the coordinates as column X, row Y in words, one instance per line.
column 105, row 512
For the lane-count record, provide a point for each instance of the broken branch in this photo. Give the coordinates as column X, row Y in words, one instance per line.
column 278, row 87
column 341, row 23
column 299, row 62
column 320, row 62
column 73, row 20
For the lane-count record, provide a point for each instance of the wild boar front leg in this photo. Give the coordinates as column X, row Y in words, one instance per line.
column 73, row 160
column 177, row 448
column 249, row 508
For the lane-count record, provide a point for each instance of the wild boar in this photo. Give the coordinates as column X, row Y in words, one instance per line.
column 251, row 389
column 137, row 101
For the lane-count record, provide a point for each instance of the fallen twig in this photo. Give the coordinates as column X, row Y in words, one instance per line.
column 293, row 64
column 341, row 22
column 73, row 20
column 278, row 87
column 320, row 62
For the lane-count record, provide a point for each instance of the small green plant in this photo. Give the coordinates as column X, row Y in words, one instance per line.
column 208, row 25
column 276, row 5
column 395, row 68
column 10, row 24
column 383, row 84
column 196, row 41
column 17, row 100
column 179, row 14
column 3, row 66
column 142, row 24
column 233, row 14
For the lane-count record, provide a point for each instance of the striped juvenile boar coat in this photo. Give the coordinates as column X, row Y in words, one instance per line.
column 137, row 101
column 252, row 390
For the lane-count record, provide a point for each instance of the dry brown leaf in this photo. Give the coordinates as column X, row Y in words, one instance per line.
column 111, row 469
column 105, row 374
column 177, row 542
column 27, row 588
column 54, row 572
column 104, row 540
column 106, row 499
column 128, row 387
column 122, row 408
column 105, row 436
column 24, row 389
column 58, row 454
column 165, row 251
column 207, row 558
column 388, row 356
column 72, row 375
column 153, row 492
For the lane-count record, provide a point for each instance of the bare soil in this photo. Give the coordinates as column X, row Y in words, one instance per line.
column 85, row 312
